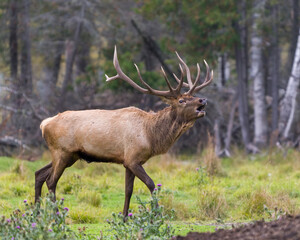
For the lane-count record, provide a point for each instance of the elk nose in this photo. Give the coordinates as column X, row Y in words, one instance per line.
column 203, row 101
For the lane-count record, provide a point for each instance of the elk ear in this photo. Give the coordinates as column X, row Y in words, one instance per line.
column 167, row 100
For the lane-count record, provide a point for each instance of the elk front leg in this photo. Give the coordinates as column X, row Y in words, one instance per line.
column 129, row 180
column 139, row 171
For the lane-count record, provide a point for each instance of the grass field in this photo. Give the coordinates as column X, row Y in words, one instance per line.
column 244, row 188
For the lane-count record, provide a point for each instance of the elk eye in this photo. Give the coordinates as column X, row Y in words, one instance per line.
column 181, row 101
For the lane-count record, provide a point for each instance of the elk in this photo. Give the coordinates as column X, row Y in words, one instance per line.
column 128, row 136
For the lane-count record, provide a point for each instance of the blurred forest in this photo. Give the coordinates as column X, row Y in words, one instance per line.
column 54, row 53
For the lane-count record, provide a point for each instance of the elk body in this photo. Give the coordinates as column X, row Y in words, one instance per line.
column 127, row 136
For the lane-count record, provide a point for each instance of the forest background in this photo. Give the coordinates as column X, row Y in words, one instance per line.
column 54, row 53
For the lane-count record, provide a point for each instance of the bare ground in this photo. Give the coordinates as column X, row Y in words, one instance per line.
column 286, row 228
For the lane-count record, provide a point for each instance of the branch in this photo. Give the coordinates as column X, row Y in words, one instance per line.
column 33, row 108
column 13, row 142
column 153, row 47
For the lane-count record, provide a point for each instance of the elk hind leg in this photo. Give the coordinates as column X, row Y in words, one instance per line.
column 61, row 160
column 40, row 177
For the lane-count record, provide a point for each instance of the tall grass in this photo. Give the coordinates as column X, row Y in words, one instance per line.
column 248, row 188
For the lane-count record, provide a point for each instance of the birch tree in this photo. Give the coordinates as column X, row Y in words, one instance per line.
column 256, row 73
column 288, row 104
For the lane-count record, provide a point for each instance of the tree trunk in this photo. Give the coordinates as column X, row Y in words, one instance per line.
column 288, row 104
column 221, row 70
column 217, row 137
column 275, row 68
column 230, row 123
column 13, row 40
column 294, row 36
column 256, row 73
column 47, row 87
column 26, row 71
column 70, row 58
column 241, row 66
column 56, row 64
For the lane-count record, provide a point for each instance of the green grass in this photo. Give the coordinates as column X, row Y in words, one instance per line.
column 180, row 228
column 246, row 188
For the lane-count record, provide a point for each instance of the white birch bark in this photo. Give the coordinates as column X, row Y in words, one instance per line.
column 288, row 104
column 219, row 77
column 256, row 73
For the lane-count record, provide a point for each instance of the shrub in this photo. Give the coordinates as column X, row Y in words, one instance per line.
column 44, row 220
column 91, row 197
column 212, row 203
column 71, row 184
column 170, row 204
column 84, row 215
column 262, row 203
column 202, row 176
column 148, row 223
column 211, row 161
column 19, row 169
column 19, row 189
column 257, row 203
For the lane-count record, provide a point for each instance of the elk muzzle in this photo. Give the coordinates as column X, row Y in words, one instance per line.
column 200, row 109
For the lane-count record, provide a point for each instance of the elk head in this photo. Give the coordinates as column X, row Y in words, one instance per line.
column 188, row 107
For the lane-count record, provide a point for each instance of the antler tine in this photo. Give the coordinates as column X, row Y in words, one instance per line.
column 208, row 78
column 122, row 75
column 188, row 73
column 196, row 81
column 167, row 80
column 181, row 78
column 141, row 79
column 180, row 82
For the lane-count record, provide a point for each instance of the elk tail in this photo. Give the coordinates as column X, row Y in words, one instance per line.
column 44, row 123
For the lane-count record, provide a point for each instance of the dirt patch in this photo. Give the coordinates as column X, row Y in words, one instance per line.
column 286, row 228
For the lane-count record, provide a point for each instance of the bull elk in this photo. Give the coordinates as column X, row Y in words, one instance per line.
column 128, row 136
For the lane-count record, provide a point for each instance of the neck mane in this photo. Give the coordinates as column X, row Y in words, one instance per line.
column 164, row 128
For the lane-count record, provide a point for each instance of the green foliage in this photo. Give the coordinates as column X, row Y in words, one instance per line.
column 44, row 220
column 206, row 24
column 148, row 223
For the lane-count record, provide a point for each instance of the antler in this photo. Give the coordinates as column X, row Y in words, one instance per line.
column 193, row 86
column 173, row 92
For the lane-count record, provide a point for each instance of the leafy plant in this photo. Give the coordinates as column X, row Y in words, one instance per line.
column 150, row 222
column 44, row 220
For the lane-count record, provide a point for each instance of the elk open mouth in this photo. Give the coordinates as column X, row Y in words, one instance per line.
column 200, row 110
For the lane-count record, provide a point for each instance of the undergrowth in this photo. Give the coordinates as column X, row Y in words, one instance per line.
column 244, row 188
column 44, row 220
column 149, row 222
